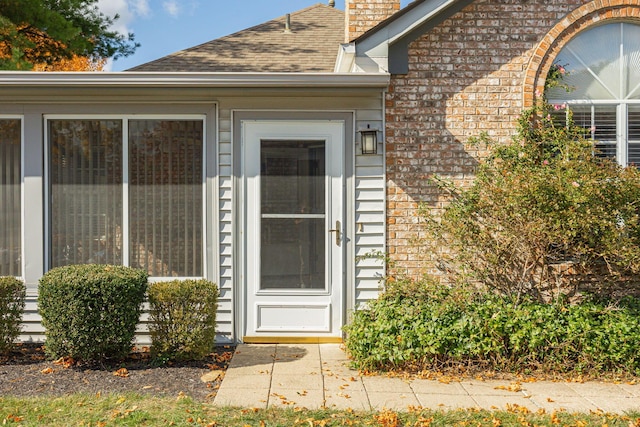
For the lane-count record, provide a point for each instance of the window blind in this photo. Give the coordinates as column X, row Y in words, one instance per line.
column 86, row 191
column 165, row 196
column 10, row 207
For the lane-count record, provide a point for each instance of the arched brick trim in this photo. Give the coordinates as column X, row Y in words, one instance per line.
column 588, row 15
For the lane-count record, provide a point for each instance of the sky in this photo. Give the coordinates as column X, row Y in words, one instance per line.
column 166, row 26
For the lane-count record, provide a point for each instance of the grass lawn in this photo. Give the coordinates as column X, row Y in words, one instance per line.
column 136, row 410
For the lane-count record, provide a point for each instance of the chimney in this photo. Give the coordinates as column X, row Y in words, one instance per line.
column 362, row 15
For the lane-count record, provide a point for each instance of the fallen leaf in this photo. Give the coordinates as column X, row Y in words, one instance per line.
column 122, row 373
column 47, row 371
column 211, row 376
column 65, row 362
column 515, row 387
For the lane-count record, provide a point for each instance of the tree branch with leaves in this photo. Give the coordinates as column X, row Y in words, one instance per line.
column 46, row 32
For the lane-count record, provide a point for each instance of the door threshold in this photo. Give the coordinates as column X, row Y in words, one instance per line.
column 291, row 340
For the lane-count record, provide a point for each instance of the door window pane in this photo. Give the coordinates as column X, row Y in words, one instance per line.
column 86, row 191
column 293, row 230
column 165, row 196
column 10, row 208
column 292, row 253
column 292, row 177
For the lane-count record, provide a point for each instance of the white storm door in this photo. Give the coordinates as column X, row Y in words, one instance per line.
column 294, row 228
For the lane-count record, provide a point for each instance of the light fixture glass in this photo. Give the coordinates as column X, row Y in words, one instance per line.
column 369, row 141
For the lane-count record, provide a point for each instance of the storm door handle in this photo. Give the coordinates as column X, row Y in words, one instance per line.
column 338, row 232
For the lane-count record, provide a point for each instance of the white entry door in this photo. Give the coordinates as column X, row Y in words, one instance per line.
column 294, row 229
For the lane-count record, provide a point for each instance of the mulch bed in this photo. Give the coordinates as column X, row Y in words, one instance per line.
column 28, row 372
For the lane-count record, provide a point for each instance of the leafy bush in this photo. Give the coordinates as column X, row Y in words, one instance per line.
column 445, row 326
column 90, row 312
column 182, row 318
column 12, row 298
column 544, row 216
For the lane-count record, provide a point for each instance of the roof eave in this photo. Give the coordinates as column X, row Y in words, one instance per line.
column 188, row 79
column 346, row 58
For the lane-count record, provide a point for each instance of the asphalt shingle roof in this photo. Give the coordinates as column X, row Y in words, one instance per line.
column 311, row 46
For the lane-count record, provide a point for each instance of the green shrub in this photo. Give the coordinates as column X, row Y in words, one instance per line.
column 12, row 296
column 182, row 318
column 491, row 331
column 90, row 312
column 544, row 216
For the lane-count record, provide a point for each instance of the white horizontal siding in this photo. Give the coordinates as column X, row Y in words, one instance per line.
column 368, row 291
column 369, row 213
column 225, row 215
column 32, row 329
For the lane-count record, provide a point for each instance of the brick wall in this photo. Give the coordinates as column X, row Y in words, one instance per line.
column 473, row 73
column 362, row 15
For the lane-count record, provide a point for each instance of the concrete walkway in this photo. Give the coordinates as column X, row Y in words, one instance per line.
column 316, row 376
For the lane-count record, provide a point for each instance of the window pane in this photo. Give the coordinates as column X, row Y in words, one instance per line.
column 600, row 121
column 592, row 59
column 86, row 191
column 631, row 47
column 634, row 135
column 10, row 242
column 603, row 62
column 165, row 196
column 604, row 131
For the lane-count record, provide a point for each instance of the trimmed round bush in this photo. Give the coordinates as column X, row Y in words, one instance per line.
column 90, row 312
column 12, row 297
column 182, row 318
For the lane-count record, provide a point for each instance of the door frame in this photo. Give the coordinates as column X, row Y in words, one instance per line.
column 239, row 315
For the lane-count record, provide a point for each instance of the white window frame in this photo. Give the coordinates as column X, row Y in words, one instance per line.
column 125, row 118
column 22, row 207
column 622, row 124
column 620, row 101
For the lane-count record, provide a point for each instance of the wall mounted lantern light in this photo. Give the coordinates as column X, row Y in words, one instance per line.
column 369, row 140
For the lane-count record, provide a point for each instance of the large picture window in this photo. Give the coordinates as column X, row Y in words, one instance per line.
column 10, row 195
column 129, row 192
column 603, row 72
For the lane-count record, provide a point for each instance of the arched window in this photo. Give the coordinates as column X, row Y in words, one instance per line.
column 603, row 70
